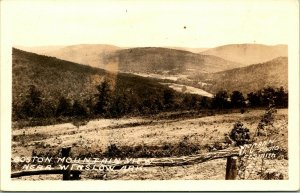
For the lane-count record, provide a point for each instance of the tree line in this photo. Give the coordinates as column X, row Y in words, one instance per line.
column 262, row 98
column 111, row 103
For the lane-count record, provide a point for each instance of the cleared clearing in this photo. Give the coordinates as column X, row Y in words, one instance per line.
column 97, row 135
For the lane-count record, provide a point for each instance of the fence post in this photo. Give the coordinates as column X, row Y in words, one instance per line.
column 76, row 176
column 231, row 168
column 65, row 152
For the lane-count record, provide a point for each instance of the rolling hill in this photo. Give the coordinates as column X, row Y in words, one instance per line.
column 138, row 60
column 207, row 72
column 56, row 78
column 247, row 54
column 166, row 61
column 247, row 79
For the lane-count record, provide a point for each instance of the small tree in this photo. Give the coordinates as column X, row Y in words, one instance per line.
column 78, row 109
column 104, row 98
column 239, row 134
column 205, row 102
column 120, row 105
column 46, row 109
column 168, row 97
column 32, row 103
column 268, row 96
column 254, row 99
column 265, row 126
column 64, row 107
column 281, row 98
column 188, row 101
column 237, row 99
column 221, row 100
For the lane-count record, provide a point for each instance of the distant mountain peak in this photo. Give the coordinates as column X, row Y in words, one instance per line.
column 247, row 54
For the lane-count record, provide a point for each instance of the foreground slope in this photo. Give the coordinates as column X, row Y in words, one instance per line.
column 151, row 137
column 246, row 54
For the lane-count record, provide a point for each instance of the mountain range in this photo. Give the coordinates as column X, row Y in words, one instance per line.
column 244, row 67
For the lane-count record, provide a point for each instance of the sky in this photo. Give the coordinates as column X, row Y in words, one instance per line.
column 128, row 23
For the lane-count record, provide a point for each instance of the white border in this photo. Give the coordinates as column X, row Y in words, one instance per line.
column 170, row 185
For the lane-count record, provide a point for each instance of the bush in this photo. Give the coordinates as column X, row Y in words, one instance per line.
column 265, row 126
column 239, row 134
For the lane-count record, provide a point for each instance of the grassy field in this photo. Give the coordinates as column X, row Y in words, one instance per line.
column 162, row 135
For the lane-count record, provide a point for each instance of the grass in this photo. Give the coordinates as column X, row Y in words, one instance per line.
column 148, row 137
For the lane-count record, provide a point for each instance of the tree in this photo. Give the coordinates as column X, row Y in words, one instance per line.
column 89, row 105
column 168, row 97
column 64, row 107
column 32, row 103
column 35, row 106
column 78, row 109
column 237, row 99
column 281, row 98
column 205, row 102
column 35, row 96
column 191, row 101
column 46, row 109
column 254, row 99
column 120, row 105
column 104, row 98
column 221, row 100
column 268, row 96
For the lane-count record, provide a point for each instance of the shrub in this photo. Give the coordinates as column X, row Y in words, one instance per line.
column 239, row 134
column 265, row 126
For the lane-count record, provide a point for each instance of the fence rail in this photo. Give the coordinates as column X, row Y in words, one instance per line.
column 42, row 172
column 230, row 154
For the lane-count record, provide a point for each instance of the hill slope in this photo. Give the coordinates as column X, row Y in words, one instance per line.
column 247, row 54
column 56, row 78
column 251, row 78
column 166, row 61
column 139, row 60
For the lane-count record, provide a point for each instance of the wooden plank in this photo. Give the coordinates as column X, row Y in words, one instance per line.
column 144, row 162
column 41, row 172
column 171, row 161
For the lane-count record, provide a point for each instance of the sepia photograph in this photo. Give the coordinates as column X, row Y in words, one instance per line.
column 156, row 94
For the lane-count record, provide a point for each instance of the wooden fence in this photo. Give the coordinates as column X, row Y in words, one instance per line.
column 68, row 174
